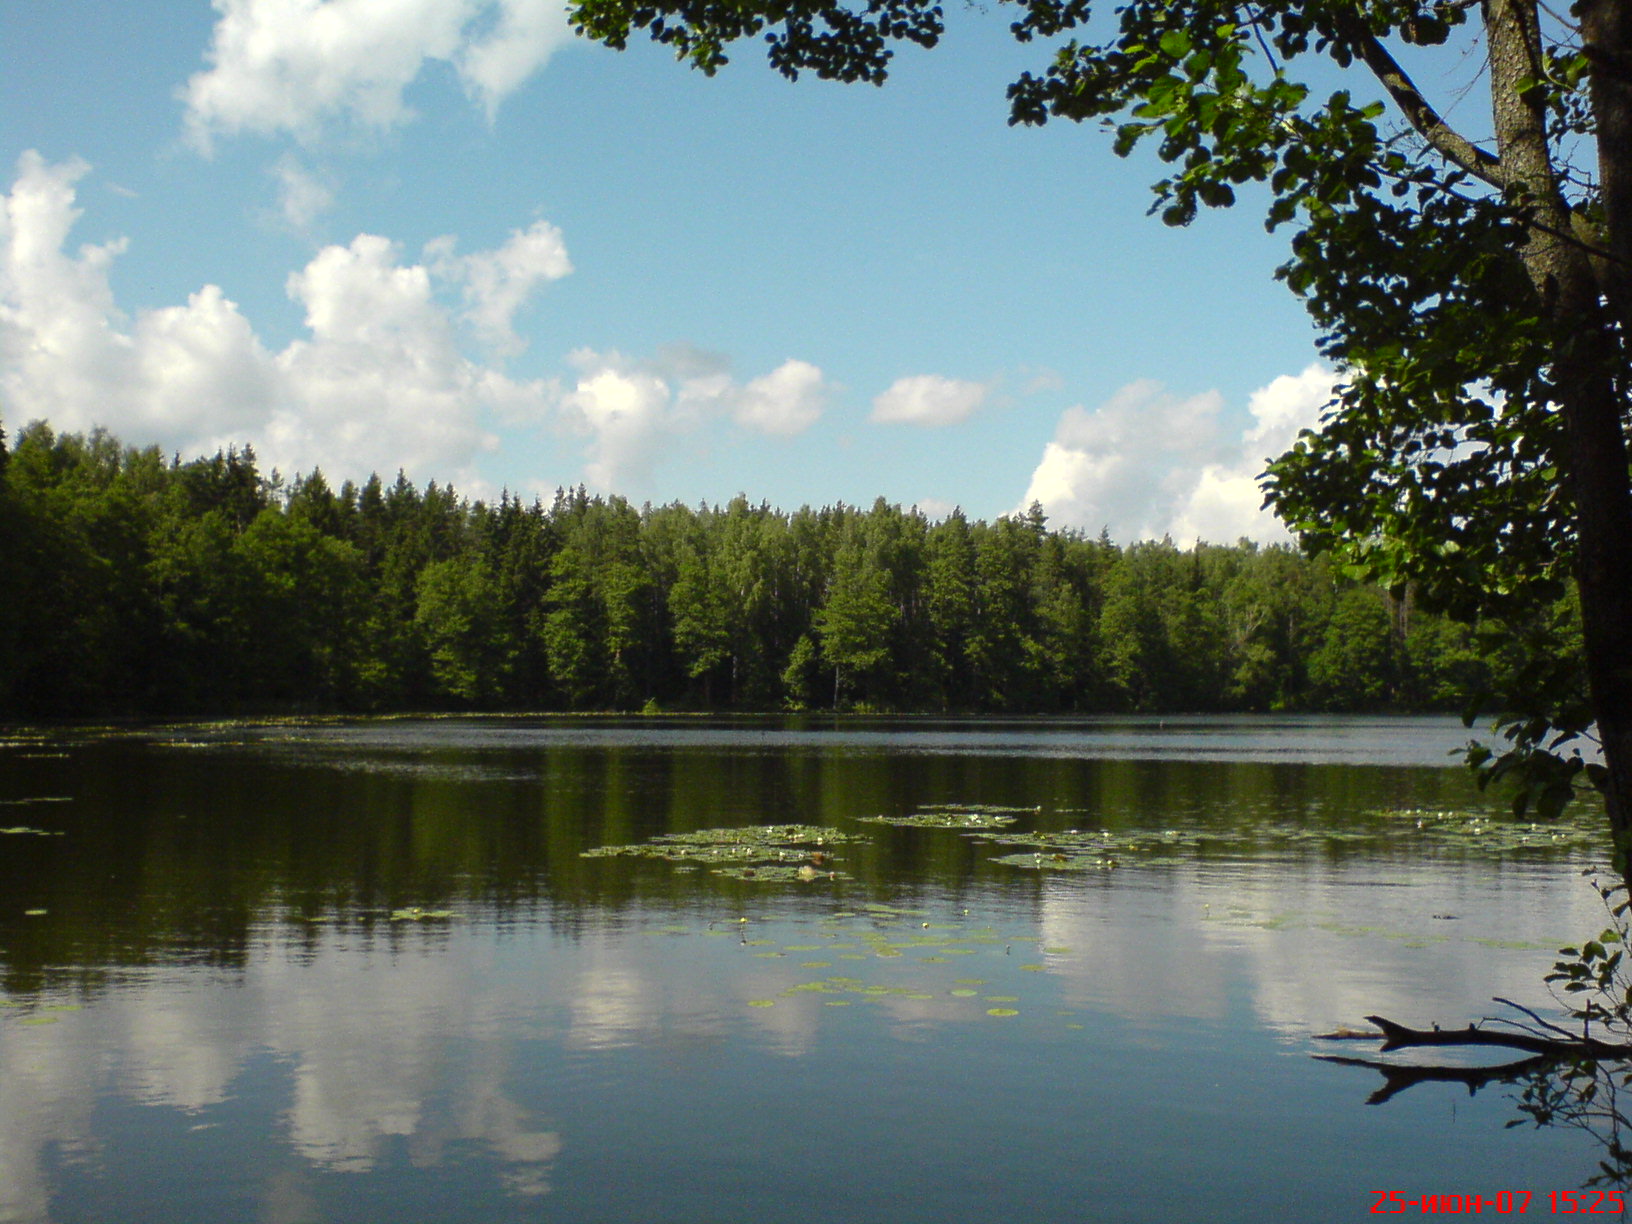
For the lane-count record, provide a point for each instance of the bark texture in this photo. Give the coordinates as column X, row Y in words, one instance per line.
column 1585, row 305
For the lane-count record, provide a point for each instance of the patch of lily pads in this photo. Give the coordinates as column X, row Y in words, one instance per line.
column 1101, row 849
column 955, row 816
column 414, row 913
column 778, row 853
column 1478, row 830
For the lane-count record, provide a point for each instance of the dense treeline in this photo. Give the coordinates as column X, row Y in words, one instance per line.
column 134, row 584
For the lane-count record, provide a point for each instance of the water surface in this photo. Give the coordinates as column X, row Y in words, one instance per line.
column 230, row 991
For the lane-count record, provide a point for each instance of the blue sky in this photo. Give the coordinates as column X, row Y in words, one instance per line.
column 447, row 237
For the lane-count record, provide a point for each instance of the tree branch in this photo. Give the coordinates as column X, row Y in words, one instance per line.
column 1399, row 1037
column 1445, row 140
column 1397, row 1078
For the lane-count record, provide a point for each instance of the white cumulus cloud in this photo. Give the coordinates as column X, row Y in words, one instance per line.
column 928, row 399
column 378, row 382
column 519, row 42
column 633, row 411
column 379, row 379
column 1226, row 502
column 497, row 283
column 1120, row 465
column 1148, row 463
column 628, row 412
column 291, row 66
column 786, row 401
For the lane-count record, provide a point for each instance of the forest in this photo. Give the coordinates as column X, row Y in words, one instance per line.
column 140, row 585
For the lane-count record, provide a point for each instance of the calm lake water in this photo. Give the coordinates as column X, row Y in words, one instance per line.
column 364, row 971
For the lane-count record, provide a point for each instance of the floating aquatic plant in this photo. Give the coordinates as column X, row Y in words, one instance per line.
column 954, row 816
column 24, row 830
column 414, row 913
column 766, row 853
column 1478, row 830
column 1102, row 849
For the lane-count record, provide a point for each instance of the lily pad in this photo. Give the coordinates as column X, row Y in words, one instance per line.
column 1102, row 849
column 414, row 914
column 954, row 816
column 777, row 873
column 1059, row 861
column 23, row 830
column 767, row 853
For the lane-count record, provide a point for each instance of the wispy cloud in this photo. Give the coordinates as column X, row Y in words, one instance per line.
column 302, row 195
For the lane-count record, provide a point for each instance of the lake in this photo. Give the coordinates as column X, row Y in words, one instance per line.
column 377, row 971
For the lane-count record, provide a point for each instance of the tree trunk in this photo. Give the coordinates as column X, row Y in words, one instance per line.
column 1587, row 352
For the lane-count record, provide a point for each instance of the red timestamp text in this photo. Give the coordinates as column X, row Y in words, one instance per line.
column 1502, row 1202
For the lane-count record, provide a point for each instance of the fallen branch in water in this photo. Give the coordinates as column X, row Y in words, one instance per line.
column 1565, row 1045
column 1397, row 1078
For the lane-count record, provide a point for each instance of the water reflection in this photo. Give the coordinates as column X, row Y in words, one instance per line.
column 252, row 1025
